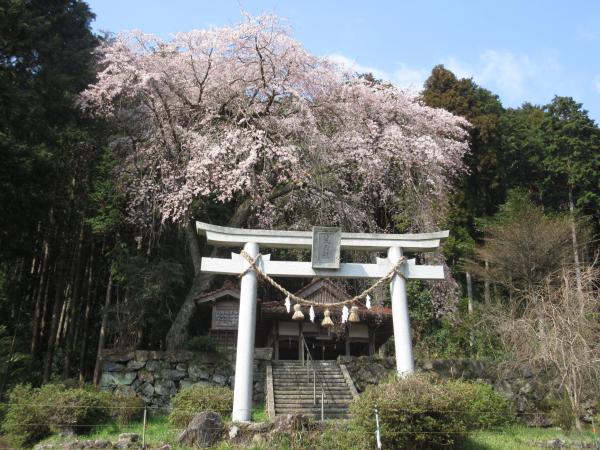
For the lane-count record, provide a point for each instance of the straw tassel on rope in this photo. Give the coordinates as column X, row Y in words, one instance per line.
column 298, row 315
column 252, row 265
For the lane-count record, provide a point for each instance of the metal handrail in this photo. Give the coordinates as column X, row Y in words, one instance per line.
column 315, row 371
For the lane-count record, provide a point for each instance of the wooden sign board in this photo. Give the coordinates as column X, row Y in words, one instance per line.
column 326, row 247
column 225, row 315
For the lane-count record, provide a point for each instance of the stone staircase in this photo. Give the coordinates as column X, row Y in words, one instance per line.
column 293, row 390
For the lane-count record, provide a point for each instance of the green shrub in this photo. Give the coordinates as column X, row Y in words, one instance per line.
column 126, row 409
column 201, row 344
column 414, row 412
column 34, row 413
column 481, row 406
column 190, row 401
column 559, row 411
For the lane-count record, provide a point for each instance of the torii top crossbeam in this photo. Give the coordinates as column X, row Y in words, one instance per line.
column 237, row 237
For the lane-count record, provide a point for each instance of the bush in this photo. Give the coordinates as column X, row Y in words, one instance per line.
column 35, row 413
column 414, row 412
column 190, row 401
column 126, row 409
column 559, row 411
column 201, row 344
column 420, row 412
column 480, row 406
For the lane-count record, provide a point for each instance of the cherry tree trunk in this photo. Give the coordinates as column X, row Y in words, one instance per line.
column 178, row 333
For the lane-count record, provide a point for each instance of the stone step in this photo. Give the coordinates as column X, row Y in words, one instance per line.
column 309, row 395
column 304, row 372
column 309, row 402
column 309, row 410
column 306, row 394
column 292, row 383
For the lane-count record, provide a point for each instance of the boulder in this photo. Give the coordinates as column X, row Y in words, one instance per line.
column 234, row 432
column 219, row 379
column 109, row 366
column 165, row 388
column 290, row 422
column 145, row 376
column 203, row 430
column 116, row 379
column 153, row 366
column 146, row 389
column 129, row 437
column 134, row 365
column 198, row 373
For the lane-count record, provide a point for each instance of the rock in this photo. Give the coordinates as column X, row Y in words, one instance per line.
column 134, row 365
column 258, row 439
column 184, row 384
column 234, row 432
column 219, row 379
column 102, row 443
column 290, row 422
column 142, row 355
column 171, row 374
column 118, row 356
column 203, row 430
column 153, row 366
column 129, row 437
column 181, row 366
column 178, row 356
column 145, row 376
column 165, row 388
column 164, row 447
column 177, row 374
column 198, row 373
column 125, row 391
column 116, row 379
column 260, row 427
column 556, row 443
column 109, row 366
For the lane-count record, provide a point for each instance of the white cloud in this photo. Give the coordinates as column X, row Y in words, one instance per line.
column 352, row 65
column 504, row 71
column 584, row 33
column 409, row 77
column 404, row 76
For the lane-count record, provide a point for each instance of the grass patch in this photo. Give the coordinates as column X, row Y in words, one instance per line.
column 523, row 438
column 158, row 431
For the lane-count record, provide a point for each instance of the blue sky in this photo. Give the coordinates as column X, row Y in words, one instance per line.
column 527, row 50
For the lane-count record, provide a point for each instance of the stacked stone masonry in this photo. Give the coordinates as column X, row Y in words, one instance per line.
column 155, row 376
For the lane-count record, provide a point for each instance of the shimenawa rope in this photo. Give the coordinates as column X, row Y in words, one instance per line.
column 253, row 265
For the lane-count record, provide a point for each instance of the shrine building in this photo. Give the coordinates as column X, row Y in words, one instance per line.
column 275, row 328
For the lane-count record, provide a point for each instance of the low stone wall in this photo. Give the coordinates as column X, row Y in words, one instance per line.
column 528, row 389
column 156, row 376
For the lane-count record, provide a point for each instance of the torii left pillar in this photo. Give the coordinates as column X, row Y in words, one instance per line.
column 244, row 376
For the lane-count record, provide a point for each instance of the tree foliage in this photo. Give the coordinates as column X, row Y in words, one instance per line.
column 243, row 112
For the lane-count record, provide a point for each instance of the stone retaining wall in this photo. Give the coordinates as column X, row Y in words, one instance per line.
column 156, row 376
column 528, row 389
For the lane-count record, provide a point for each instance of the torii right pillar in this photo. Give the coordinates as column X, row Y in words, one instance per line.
column 405, row 364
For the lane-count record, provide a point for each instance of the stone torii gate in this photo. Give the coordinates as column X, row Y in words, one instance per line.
column 325, row 244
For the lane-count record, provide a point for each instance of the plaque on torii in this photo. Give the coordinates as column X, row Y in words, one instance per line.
column 325, row 244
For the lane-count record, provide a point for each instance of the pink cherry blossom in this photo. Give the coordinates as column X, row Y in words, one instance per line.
column 236, row 112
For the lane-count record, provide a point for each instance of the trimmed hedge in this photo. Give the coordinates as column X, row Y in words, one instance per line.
column 419, row 412
column 195, row 399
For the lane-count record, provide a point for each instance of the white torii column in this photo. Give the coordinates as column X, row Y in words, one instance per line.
column 244, row 360
column 402, row 335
